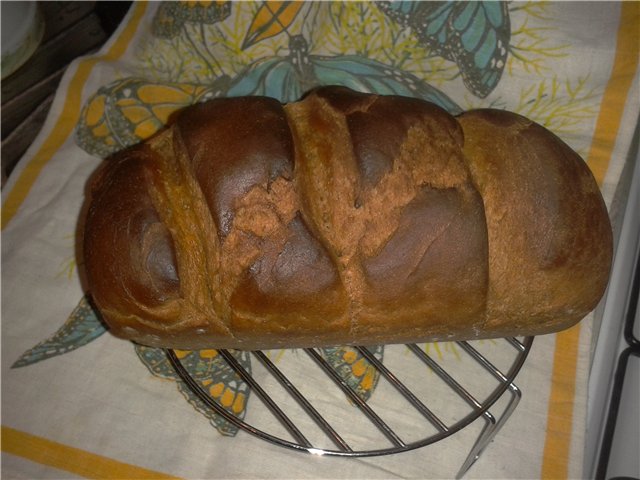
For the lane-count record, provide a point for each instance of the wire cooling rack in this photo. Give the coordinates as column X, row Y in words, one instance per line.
column 450, row 395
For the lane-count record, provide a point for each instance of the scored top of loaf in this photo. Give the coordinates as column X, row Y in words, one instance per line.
column 343, row 218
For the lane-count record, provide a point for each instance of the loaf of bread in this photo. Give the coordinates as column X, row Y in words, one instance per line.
column 344, row 218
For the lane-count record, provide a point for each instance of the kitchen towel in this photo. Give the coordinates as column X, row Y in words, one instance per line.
column 77, row 402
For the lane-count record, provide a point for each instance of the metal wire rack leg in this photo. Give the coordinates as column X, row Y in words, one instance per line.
column 484, row 438
column 479, row 408
column 483, row 441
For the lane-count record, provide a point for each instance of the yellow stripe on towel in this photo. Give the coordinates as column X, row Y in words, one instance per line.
column 555, row 463
column 615, row 95
column 68, row 118
column 70, row 459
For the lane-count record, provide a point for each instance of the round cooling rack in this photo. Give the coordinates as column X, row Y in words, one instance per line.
column 424, row 393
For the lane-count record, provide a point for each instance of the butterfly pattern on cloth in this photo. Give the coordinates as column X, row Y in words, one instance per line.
column 126, row 111
column 131, row 109
column 474, row 35
column 288, row 78
column 211, row 373
column 172, row 17
column 207, row 367
column 82, row 327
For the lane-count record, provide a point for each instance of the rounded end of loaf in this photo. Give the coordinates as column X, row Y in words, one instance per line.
column 139, row 277
column 550, row 238
column 130, row 258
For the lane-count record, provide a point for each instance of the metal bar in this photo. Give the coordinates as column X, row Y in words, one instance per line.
column 361, row 404
column 486, row 437
column 516, row 343
column 479, row 409
column 404, row 390
column 477, row 356
column 482, row 443
column 448, row 379
column 489, row 430
column 264, row 396
column 186, row 377
column 197, row 390
column 487, row 433
column 304, row 403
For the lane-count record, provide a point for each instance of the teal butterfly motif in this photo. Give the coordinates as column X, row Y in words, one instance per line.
column 287, row 78
column 206, row 367
column 354, row 368
column 212, row 374
column 474, row 35
column 82, row 327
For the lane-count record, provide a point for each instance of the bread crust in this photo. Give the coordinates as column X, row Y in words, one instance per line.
column 344, row 218
column 550, row 239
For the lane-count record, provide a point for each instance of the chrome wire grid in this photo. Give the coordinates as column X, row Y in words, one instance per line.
column 438, row 424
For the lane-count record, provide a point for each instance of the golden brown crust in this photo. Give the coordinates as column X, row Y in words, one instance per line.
column 550, row 241
column 344, row 218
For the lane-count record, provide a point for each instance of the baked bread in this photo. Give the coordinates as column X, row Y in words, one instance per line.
column 344, row 218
